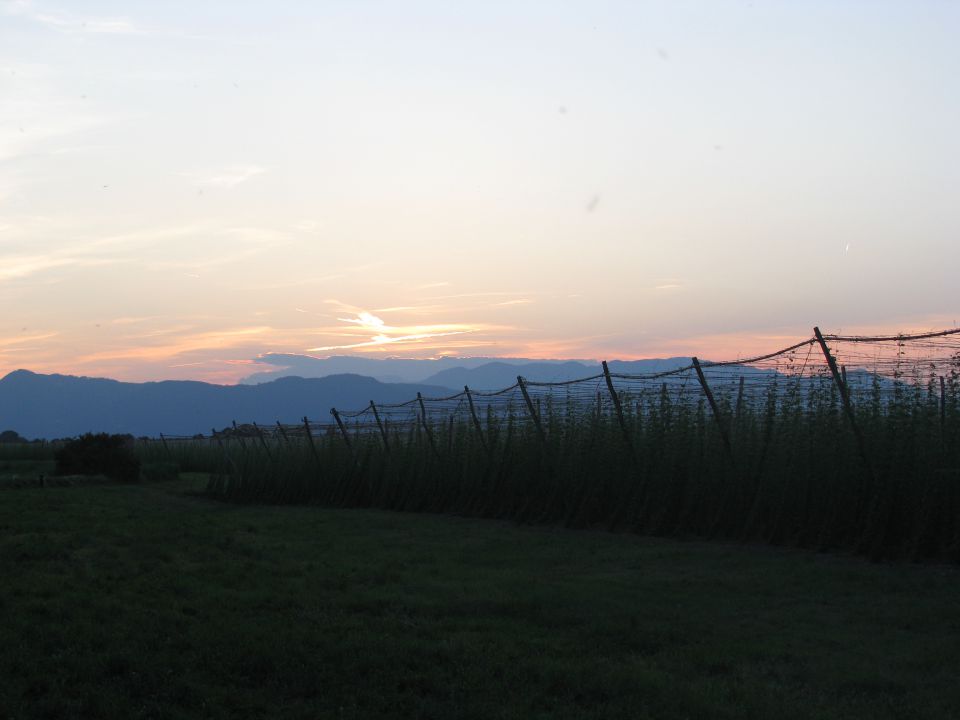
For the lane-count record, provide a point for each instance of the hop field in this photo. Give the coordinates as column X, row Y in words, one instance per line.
column 852, row 447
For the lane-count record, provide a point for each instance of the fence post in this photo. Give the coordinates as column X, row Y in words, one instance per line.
column 426, row 427
column 226, row 454
column 170, row 454
column 243, row 445
column 532, row 410
column 943, row 414
column 343, row 429
column 845, row 398
column 263, row 442
column 450, row 436
column 617, row 406
column 313, row 448
column 283, row 433
column 383, row 430
column 476, row 420
column 739, row 409
column 721, row 424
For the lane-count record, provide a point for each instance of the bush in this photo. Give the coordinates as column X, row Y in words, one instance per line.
column 99, row 454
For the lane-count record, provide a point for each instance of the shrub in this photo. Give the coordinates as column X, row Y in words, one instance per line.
column 99, row 454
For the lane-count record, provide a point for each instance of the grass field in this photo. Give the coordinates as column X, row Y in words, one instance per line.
column 148, row 601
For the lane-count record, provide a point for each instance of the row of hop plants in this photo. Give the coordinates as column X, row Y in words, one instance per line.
column 794, row 472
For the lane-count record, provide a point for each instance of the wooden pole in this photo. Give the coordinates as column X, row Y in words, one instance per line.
column 313, row 448
column 845, row 398
column 616, row 405
column 739, row 409
column 717, row 416
column 476, row 420
column 226, row 454
column 943, row 413
column 531, row 409
column 383, row 430
column 170, row 455
column 450, row 436
column 343, row 429
column 283, row 433
column 236, row 434
column 263, row 442
column 426, row 426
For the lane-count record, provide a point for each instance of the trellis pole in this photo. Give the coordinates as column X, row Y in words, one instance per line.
column 476, row 420
column 226, row 455
column 714, row 408
column 383, row 430
column 343, row 428
column 845, row 399
column 263, row 442
column 313, row 448
column 943, row 413
column 243, row 445
column 531, row 409
column 617, row 407
column 426, row 426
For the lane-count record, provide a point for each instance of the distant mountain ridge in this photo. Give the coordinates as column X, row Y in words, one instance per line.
column 498, row 375
column 383, row 369
column 52, row 406
column 478, row 373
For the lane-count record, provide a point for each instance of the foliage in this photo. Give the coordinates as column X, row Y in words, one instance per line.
column 99, row 454
column 796, row 475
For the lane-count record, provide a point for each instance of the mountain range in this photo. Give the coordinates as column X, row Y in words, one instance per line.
column 56, row 406
column 384, row 369
column 452, row 372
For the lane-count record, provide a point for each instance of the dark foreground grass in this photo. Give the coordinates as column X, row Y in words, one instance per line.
column 143, row 601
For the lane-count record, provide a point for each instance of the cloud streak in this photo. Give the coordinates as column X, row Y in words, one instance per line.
column 227, row 178
column 69, row 23
column 383, row 334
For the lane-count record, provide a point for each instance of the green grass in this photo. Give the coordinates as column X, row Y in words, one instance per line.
column 145, row 601
column 19, row 473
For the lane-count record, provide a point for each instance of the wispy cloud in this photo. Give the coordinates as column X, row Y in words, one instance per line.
column 155, row 249
column 6, row 342
column 226, row 178
column 71, row 23
column 366, row 323
column 433, row 285
column 668, row 284
column 20, row 267
column 518, row 301
column 218, row 339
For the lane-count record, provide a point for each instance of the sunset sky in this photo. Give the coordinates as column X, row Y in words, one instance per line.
column 185, row 186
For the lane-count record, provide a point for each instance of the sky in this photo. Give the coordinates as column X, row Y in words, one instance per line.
column 186, row 186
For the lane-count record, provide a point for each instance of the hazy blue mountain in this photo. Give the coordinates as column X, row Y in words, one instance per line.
column 650, row 366
column 383, row 369
column 50, row 406
column 497, row 375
